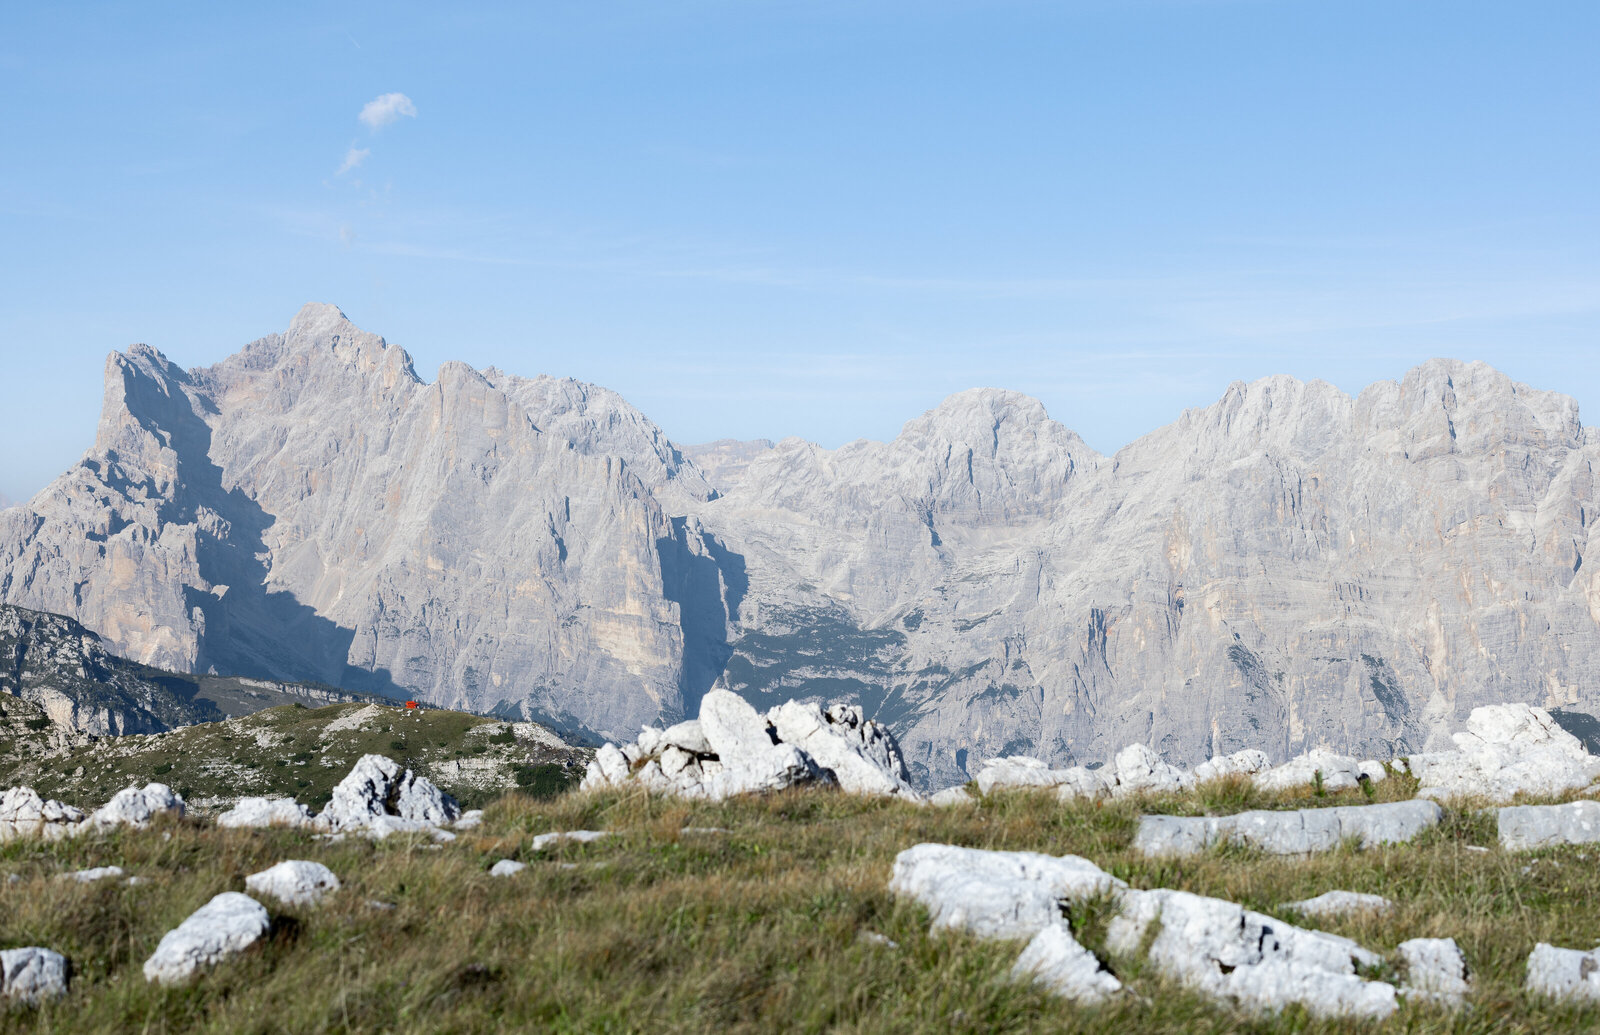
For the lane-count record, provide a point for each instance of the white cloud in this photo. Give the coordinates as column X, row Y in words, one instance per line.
column 380, row 111
column 352, row 158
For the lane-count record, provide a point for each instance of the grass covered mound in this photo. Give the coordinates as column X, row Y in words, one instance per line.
column 295, row 751
column 750, row 915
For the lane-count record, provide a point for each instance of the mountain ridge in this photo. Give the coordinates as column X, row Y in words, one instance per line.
column 1288, row 567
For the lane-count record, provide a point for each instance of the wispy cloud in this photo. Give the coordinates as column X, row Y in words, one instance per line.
column 352, row 158
column 383, row 110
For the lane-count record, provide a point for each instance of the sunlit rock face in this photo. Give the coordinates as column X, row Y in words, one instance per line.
column 1289, row 568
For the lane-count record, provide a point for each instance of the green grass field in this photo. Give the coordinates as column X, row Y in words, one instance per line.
column 758, row 928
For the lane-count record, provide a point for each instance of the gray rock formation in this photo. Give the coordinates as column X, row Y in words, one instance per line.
column 380, row 797
column 228, row 924
column 1290, row 831
column 1340, row 903
column 1538, row 826
column 1055, row 959
column 1287, row 569
column 26, row 813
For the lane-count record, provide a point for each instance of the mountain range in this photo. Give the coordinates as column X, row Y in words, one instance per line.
column 1290, row 567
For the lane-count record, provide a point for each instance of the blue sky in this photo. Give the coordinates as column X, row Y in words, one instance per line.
column 764, row 219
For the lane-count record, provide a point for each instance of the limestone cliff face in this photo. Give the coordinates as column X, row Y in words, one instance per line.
column 1285, row 569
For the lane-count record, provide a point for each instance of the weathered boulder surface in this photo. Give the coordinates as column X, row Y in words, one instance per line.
column 1435, row 970
column 24, row 813
column 297, row 882
column 137, row 806
column 380, row 797
column 1564, row 973
column 1006, row 895
column 228, row 924
column 1288, row 832
column 32, row 975
column 267, row 812
column 1054, row 958
column 1505, row 750
column 1535, row 826
column 732, row 749
column 1263, row 964
column 1340, row 903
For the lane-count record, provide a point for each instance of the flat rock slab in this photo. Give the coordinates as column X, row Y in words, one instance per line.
column 1535, row 826
column 297, row 882
column 32, row 975
column 543, row 841
column 1564, row 973
column 92, row 875
column 1293, row 832
column 1007, row 895
column 227, row 924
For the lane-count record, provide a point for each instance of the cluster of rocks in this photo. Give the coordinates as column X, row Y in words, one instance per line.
column 1216, row 947
column 25, row 813
column 733, row 749
column 378, row 798
column 1505, row 750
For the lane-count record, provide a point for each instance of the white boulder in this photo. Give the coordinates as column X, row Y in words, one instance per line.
column 25, row 813
column 1435, row 970
column 1564, row 973
column 732, row 727
column 507, row 868
column 1340, row 903
column 267, row 812
column 296, row 882
column 137, row 806
column 32, row 975
column 1054, row 958
column 1007, row 895
column 951, row 796
column 227, row 924
column 1138, row 768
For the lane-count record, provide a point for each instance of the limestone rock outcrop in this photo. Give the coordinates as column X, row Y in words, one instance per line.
column 380, row 796
column 1340, row 903
column 1003, row 895
column 1285, row 570
column 267, row 812
column 1054, row 959
column 732, row 749
column 1507, row 749
column 137, row 806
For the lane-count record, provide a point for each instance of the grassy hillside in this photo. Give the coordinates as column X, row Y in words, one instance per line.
column 293, row 751
column 747, row 916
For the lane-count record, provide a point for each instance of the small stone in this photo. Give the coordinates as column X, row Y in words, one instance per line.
column 951, row 796
column 296, row 882
column 92, row 875
column 1340, row 903
column 226, row 925
column 507, row 868
column 874, row 938
column 470, row 820
column 543, row 841
column 1568, row 974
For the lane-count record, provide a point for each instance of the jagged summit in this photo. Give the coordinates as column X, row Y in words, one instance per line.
column 1287, row 568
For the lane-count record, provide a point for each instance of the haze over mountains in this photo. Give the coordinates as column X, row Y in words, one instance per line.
column 1287, row 568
